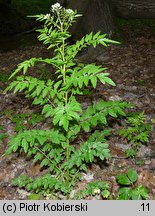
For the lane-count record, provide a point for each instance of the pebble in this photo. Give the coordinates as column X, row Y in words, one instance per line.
column 22, row 193
column 88, row 176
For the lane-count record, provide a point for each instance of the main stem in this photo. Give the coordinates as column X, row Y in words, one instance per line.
column 63, row 71
column 67, row 158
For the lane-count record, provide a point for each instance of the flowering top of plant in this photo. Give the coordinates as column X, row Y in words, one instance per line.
column 60, row 16
column 47, row 16
column 56, row 7
column 70, row 11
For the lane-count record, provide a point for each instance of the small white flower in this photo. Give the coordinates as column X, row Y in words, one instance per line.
column 56, row 7
column 47, row 16
column 97, row 191
column 70, row 11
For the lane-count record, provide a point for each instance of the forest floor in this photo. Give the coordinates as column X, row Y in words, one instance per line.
column 131, row 66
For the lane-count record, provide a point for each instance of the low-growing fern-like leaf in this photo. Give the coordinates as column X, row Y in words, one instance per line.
column 99, row 112
column 88, row 40
column 24, row 66
column 93, row 188
column 104, row 79
column 86, row 154
column 29, row 139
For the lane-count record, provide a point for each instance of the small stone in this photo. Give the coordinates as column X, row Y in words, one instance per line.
column 22, row 193
column 72, row 194
column 115, row 98
column 88, row 177
column 144, row 151
column 62, row 197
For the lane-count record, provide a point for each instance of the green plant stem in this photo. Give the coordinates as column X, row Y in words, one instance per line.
column 63, row 71
column 67, row 159
column 74, row 177
column 47, row 157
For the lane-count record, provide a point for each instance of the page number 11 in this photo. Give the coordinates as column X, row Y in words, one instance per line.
column 145, row 207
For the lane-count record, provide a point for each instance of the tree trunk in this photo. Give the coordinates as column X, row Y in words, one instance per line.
column 135, row 8
column 97, row 16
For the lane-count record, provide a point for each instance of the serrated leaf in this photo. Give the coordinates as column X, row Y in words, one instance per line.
column 105, row 193
column 42, row 139
column 25, row 145
column 112, row 113
column 15, row 146
column 37, row 157
column 57, row 118
column 65, row 122
column 8, row 151
column 143, row 191
column 123, row 179
column 135, row 195
column 106, row 40
column 83, row 167
column 103, row 43
column 109, row 81
column 86, row 126
column 57, row 84
column 104, row 79
column 45, row 92
column 132, row 175
column 45, row 162
column 125, row 193
column 93, row 80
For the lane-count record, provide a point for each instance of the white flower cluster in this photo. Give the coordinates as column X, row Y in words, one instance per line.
column 97, row 191
column 56, row 7
column 47, row 16
column 70, row 11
